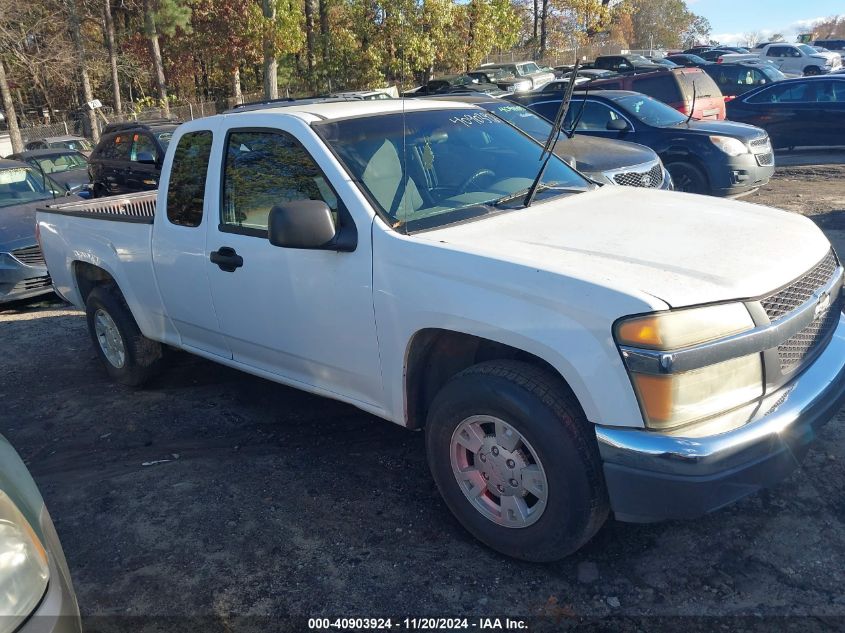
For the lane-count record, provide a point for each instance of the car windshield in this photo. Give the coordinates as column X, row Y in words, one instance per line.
column 427, row 169
column 19, row 185
column 650, row 111
column 808, row 50
column 61, row 162
column 79, row 144
column 532, row 124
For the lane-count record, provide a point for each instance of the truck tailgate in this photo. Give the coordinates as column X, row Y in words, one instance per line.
column 113, row 234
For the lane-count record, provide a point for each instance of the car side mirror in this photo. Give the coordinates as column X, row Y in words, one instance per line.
column 145, row 158
column 302, row 224
column 617, row 125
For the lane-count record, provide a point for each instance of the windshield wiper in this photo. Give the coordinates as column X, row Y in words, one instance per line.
column 553, row 136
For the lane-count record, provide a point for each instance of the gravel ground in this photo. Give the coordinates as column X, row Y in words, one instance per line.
column 215, row 494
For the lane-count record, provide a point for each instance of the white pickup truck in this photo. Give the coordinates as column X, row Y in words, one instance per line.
column 792, row 59
column 649, row 353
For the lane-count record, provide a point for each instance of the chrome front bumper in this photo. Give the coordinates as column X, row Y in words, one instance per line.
column 653, row 476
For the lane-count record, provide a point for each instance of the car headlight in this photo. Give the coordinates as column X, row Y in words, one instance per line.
column 520, row 86
column 668, row 400
column 24, row 569
column 729, row 145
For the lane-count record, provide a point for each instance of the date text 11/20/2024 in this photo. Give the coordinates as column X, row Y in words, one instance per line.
column 418, row 624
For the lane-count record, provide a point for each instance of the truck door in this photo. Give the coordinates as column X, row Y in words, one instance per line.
column 305, row 315
column 179, row 233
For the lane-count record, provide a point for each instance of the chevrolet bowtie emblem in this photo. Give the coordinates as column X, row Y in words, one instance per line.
column 822, row 305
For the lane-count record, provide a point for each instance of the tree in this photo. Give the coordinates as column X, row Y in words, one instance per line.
column 76, row 36
column 752, row 38
column 166, row 17
column 661, row 23
column 698, row 31
column 9, row 106
column 108, row 30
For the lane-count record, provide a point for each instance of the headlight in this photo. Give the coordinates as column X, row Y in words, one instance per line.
column 729, row 145
column 520, row 86
column 682, row 328
column 672, row 399
column 24, row 570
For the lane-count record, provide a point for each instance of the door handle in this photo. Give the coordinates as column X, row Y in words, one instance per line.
column 227, row 259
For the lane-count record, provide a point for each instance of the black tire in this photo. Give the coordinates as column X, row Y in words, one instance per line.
column 812, row 71
column 687, row 177
column 141, row 356
column 538, row 406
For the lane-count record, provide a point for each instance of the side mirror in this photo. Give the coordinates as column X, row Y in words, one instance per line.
column 301, row 224
column 146, row 158
column 617, row 125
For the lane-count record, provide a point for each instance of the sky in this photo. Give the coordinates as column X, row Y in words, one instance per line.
column 730, row 19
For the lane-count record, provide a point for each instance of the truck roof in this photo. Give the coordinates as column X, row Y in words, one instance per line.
column 333, row 110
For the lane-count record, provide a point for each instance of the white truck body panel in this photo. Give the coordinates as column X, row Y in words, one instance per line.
column 794, row 63
column 550, row 280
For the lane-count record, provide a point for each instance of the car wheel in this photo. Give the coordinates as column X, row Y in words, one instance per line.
column 130, row 358
column 516, row 461
column 810, row 71
column 688, row 177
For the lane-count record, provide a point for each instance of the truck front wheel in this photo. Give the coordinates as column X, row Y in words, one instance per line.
column 516, row 460
column 129, row 357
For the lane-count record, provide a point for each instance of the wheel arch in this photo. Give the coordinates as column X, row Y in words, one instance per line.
column 87, row 276
column 434, row 355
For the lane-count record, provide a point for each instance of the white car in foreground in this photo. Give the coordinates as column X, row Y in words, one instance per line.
column 647, row 353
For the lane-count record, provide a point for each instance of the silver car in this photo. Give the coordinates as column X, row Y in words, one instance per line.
column 36, row 593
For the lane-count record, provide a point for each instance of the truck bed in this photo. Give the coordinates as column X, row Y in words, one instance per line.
column 113, row 234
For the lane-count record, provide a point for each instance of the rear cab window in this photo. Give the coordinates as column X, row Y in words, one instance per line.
column 186, row 188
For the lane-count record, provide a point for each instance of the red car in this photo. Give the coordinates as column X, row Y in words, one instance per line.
column 675, row 87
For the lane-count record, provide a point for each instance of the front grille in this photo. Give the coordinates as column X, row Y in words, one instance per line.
column 785, row 301
column 33, row 283
column 31, row 256
column 766, row 160
column 652, row 178
column 794, row 350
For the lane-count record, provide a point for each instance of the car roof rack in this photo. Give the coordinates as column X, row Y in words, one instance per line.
column 286, row 102
column 143, row 125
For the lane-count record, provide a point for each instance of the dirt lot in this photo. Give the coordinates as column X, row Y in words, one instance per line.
column 213, row 493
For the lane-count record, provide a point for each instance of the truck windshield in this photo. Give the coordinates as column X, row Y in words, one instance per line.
column 20, row 185
column 427, row 169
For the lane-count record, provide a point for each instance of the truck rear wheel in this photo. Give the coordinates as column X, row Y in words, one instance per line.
column 130, row 358
column 516, row 461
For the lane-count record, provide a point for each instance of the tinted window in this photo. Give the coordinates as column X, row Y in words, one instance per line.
column 143, row 148
column 784, row 93
column 725, row 76
column 662, row 88
column 595, row 116
column 705, row 87
column 164, row 139
column 186, row 189
column 116, row 147
column 830, row 91
column 61, row 162
column 264, row 169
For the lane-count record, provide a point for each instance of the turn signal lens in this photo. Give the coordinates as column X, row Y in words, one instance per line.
column 682, row 328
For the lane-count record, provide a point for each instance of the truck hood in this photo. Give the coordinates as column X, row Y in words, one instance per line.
column 681, row 248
